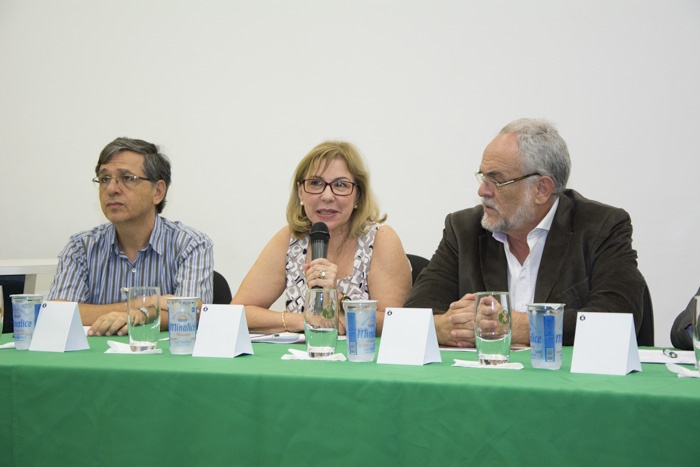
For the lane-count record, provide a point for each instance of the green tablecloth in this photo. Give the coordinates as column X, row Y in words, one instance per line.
column 91, row 408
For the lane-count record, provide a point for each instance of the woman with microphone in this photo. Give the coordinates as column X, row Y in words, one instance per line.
column 364, row 258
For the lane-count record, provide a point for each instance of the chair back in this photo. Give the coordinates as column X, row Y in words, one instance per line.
column 222, row 292
column 417, row 265
column 10, row 285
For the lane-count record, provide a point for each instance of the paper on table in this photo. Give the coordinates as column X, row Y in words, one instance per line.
column 222, row 332
column 408, row 338
column 605, row 344
column 295, row 354
column 119, row 347
column 280, row 338
column 657, row 356
column 502, row 366
column 59, row 329
column 9, row 345
column 682, row 371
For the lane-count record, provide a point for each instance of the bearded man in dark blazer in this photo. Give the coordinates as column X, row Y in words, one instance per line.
column 536, row 239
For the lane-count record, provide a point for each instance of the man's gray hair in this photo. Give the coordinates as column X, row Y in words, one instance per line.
column 542, row 150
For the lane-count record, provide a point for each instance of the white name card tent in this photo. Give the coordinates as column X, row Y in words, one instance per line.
column 58, row 328
column 408, row 337
column 605, row 344
column 222, row 332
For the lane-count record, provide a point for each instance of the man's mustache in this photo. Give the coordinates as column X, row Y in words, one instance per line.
column 488, row 203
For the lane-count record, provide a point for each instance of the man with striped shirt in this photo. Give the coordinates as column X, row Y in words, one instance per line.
column 137, row 247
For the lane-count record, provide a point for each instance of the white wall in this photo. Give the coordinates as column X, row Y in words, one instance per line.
column 238, row 91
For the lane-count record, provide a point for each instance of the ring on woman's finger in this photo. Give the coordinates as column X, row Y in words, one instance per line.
column 322, row 275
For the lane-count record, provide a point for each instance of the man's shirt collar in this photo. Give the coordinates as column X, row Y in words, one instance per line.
column 544, row 225
column 156, row 241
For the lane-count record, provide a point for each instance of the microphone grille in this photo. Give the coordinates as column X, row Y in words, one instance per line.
column 319, row 232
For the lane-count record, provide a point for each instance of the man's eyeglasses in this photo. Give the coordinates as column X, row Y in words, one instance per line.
column 127, row 181
column 316, row 186
column 490, row 182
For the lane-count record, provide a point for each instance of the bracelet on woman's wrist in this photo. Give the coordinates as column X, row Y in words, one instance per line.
column 284, row 322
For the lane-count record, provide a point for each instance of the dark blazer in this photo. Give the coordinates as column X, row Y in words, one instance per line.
column 679, row 334
column 588, row 263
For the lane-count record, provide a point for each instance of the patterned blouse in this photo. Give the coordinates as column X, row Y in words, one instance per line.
column 353, row 286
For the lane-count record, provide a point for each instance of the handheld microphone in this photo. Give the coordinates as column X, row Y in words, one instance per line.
column 319, row 236
column 319, row 240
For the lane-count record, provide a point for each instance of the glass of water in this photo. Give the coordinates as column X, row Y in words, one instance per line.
column 321, row 322
column 143, row 317
column 182, row 324
column 25, row 312
column 492, row 328
column 695, row 308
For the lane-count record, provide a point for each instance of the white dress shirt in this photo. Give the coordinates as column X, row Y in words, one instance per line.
column 522, row 278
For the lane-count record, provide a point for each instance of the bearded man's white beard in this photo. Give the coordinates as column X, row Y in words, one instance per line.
column 525, row 212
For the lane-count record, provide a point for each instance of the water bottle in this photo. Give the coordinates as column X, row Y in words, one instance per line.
column 546, row 327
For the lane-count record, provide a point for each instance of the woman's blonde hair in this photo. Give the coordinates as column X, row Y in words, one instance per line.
column 367, row 212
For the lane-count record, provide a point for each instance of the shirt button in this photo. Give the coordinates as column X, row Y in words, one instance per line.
column 134, row 270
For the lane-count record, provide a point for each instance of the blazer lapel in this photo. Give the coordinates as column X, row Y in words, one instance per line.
column 556, row 249
column 494, row 266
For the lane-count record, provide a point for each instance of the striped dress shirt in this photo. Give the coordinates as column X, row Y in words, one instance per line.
column 92, row 269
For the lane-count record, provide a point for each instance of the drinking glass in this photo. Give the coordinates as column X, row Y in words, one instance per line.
column 695, row 308
column 143, row 317
column 546, row 331
column 361, row 330
column 492, row 327
column 182, row 324
column 25, row 312
column 321, row 322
